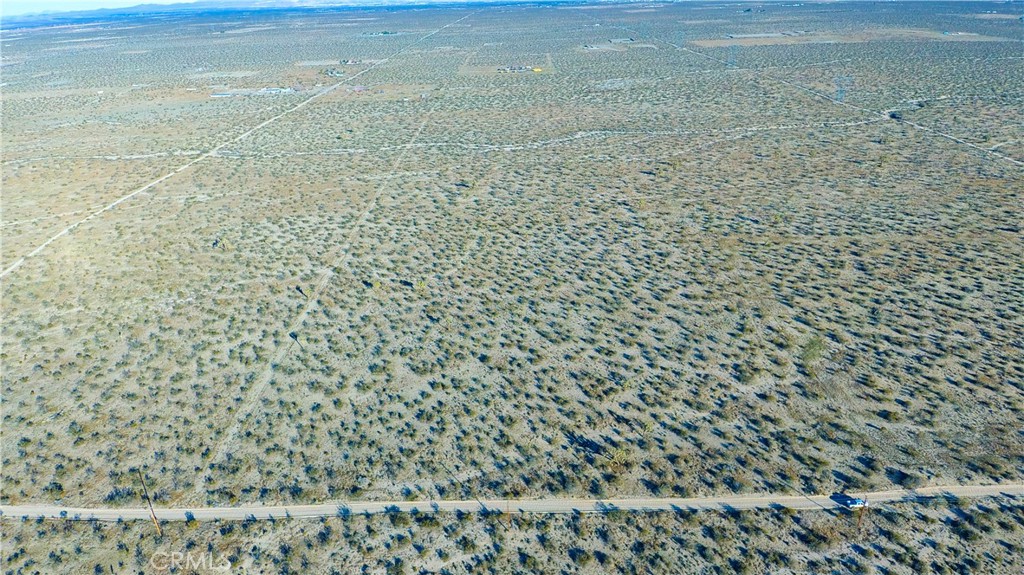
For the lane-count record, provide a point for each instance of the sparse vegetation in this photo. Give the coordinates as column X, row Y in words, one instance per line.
column 641, row 270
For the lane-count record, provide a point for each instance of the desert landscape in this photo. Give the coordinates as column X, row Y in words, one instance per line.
column 598, row 251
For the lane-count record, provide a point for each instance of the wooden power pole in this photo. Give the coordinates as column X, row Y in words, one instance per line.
column 152, row 513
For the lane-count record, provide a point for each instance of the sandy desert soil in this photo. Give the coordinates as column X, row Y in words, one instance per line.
column 669, row 267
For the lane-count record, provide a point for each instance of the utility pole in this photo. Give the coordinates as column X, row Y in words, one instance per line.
column 152, row 514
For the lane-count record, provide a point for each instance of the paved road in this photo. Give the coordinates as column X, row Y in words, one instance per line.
column 15, row 512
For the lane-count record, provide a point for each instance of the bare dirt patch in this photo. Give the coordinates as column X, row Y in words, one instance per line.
column 997, row 16
column 791, row 38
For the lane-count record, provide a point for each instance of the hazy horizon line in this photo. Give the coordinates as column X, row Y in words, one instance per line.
column 30, row 8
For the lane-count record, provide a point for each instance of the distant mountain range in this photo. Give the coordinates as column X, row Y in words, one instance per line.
column 233, row 5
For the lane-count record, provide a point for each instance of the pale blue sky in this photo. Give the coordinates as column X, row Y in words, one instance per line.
column 15, row 7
